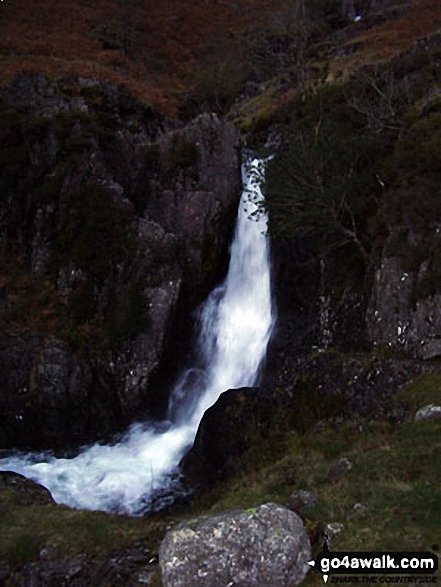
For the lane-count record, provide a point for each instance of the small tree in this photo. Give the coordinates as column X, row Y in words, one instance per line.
column 320, row 186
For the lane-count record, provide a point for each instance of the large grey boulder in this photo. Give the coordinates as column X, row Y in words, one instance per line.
column 263, row 547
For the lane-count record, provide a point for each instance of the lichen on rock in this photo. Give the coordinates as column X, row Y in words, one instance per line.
column 262, row 547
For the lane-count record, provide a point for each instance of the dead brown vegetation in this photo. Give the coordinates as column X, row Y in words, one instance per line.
column 149, row 46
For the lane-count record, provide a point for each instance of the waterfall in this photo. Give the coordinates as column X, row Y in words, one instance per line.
column 235, row 324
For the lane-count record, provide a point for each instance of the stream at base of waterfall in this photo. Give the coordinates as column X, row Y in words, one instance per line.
column 235, row 325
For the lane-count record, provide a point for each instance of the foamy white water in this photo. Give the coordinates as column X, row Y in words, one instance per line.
column 235, row 325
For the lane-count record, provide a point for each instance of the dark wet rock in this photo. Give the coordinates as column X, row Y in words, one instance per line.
column 339, row 469
column 326, row 386
column 227, row 430
column 45, row 392
column 316, row 310
column 403, row 308
column 296, row 272
column 260, row 547
column 347, row 387
column 128, row 230
column 430, row 412
column 130, row 369
column 35, row 94
column 200, row 203
column 300, row 499
column 24, row 491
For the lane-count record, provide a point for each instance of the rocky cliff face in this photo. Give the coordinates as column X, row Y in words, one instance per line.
column 403, row 311
column 394, row 304
column 331, row 295
column 110, row 220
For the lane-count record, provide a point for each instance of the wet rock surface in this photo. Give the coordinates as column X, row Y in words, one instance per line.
column 127, row 232
column 24, row 491
column 227, row 430
column 403, row 308
column 45, row 391
column 326, row 386
column 259, row 547
column 349, row 387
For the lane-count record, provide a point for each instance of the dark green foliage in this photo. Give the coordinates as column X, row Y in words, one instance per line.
column 414, row 174
column 18, row 135
column 284, row 47
column 153, row 156
column 361, row 158
column 414, row 205
column 181, row 156
column 91, row 93
column 28, row 178
column 430, row 283
column 311, row 406
column 13, row 159
column 73, row 131
column 16, row 127
column 47, row 191
column 83, row 302
column 321, row 186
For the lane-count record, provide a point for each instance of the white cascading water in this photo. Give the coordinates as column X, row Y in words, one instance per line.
column 235, row 326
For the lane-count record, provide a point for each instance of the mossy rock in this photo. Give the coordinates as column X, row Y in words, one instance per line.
column 20, row 491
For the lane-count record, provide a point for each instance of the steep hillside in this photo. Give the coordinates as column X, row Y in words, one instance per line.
column 152, row 47
column 332, row 53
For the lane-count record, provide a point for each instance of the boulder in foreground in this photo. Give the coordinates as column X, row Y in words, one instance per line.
column 260, row 547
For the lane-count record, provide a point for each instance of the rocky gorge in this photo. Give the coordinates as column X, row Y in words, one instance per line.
column 124, row 236
column 115, row 222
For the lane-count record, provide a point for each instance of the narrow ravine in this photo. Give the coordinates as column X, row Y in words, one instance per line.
column 235, row 326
